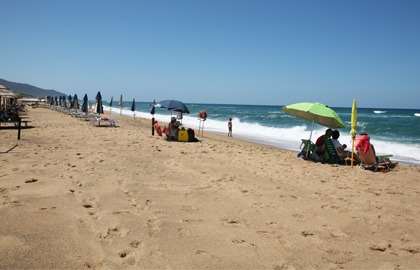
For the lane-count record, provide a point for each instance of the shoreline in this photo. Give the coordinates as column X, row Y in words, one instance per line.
column 280, row 145
column 78, row 196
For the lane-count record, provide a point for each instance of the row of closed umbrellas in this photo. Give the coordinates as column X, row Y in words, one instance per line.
column 73, row 102
column 173, row 105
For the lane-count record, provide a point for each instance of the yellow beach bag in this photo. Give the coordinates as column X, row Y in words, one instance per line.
column 183, row 135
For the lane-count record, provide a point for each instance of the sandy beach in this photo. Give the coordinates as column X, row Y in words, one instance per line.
column 75, row 196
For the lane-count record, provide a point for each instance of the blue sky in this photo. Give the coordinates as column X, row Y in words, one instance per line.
column 218, row 51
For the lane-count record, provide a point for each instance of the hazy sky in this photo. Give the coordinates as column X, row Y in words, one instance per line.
column 217, row 51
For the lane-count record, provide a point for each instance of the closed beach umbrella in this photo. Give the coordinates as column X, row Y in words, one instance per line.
column 120, row 103
column 85, row 104
column 353, row 128
column 98, row 107
column 133, row 107
column 69, row 103
column 110, row 104
column 75, row 102
column 315, row 113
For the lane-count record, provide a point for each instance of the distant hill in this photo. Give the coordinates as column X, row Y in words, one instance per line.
column 30, row 90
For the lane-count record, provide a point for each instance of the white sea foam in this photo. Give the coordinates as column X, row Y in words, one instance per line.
column 417, row 114
column 379, row 111
column 286, row 138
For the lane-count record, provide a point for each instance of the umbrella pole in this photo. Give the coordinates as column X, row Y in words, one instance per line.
column 352, row 150
column 310, row 139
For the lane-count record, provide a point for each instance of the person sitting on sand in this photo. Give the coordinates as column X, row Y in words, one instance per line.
column 318, row 154
column 340, row 147
column 172, row 130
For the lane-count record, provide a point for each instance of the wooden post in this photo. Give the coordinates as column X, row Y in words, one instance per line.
column 19, row 126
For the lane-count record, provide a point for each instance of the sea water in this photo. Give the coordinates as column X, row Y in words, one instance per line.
column 392, row 131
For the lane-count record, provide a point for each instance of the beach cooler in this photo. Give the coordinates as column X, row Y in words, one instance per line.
column 183, row 135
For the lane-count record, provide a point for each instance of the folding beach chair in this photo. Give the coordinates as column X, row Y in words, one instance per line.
column 368, row 158
column 331, row 156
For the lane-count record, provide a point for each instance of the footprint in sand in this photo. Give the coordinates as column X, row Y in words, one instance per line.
column 241, row 242
column 154, row 226
column 131, row 253
column 232, row 222
column 89, row 203
column 109, row 233
column 338, row 256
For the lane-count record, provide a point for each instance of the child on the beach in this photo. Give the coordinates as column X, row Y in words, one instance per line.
column 230, row 127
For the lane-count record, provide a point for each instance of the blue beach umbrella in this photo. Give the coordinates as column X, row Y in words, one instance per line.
column 173, row 105
column 133, row 107
column 85, row 104
column 98, row 107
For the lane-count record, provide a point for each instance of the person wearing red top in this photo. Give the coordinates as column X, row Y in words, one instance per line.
column 318, row 154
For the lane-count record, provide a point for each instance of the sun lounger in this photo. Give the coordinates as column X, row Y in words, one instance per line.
column 13, row 119
column 98, row 120
column 367, row 156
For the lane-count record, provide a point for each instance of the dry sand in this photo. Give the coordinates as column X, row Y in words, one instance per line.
column 77, row 196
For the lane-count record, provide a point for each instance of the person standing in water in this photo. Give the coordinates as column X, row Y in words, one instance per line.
column 230, row 127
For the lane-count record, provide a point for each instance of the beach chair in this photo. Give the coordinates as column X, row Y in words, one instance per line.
column 304, row 148
column 97, row 121
column 369, row 160
column 331, row 156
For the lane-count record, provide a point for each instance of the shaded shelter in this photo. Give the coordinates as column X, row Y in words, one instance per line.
column 7, row 97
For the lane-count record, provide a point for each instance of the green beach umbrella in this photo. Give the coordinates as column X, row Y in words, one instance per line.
column 316, row 113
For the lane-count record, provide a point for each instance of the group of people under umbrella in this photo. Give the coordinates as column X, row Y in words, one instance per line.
column 325, row 116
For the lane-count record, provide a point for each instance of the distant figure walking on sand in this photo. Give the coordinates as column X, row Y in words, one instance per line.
column 230, row 127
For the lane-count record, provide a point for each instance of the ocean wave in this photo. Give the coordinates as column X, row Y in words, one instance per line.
column 417, row 114
column 379, row 112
